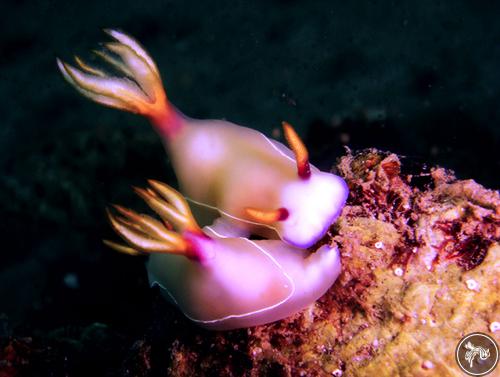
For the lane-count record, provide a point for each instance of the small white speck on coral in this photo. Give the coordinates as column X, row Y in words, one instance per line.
column 379, row 245
column 427, row 364
column 494, row 326
column 472, row 284
column 256, row 351
column 398, row 271
column 337, row 373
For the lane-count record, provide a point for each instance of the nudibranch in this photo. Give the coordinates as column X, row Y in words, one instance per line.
column 219, row 281
column 258, row 185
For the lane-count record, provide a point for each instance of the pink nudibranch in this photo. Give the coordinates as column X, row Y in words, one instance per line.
column 219, row 278
column 257, row 184
column 219, row 281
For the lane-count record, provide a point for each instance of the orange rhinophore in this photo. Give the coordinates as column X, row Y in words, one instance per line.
column 299, row 149
column 267, row 217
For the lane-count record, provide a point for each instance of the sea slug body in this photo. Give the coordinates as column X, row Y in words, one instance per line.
column 218, row 281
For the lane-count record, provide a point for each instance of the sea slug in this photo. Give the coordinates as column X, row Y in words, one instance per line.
column 255, row 183
column 219, row 281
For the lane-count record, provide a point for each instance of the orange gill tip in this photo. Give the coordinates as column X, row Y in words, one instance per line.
column 175, row 211
column 139, row 240
column 88, row 68
column 172, row 195
column 124, row 220
column 131, row 225
column 151, row 192
column 134, row 66
column 148, row 224
column 109, row 91
column 299, row 149
column 149, row 242
column 166, row 211
column 133, row 44
column 121, row 248
column 267, row 216
column 114, row 63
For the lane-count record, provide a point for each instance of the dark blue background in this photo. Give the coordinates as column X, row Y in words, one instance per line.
column 417, row 78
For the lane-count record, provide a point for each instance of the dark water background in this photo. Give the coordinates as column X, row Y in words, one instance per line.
column 417, row 78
